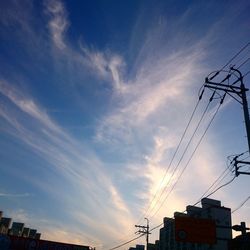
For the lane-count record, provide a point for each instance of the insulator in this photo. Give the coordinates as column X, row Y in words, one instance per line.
column 201, row 94
column 212, row 97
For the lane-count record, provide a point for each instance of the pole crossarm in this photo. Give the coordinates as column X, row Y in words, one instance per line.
column 226, row 88
column 236, row 91
column 237, row 172
column 144, row 230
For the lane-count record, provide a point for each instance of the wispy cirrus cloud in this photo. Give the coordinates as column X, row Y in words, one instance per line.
column 107, row 65
column 58, row 23
column 15, row 195
column 67, row 157
column 151, row 100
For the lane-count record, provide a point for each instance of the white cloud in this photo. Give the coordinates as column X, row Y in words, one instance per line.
column 69, row 158
column 149, row 109
column 107, row 65
column 14, row 195
column 27, row 105
column 157, row 90
column 58, row 23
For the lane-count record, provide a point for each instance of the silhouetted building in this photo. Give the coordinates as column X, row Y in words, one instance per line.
column 151, row 246
column 203, row 228
column 26, row 232
column 157, row 245
column 32, row 233
column 37, row 236
column 241, row 242
column 5, row 225
column 137, row 247
column 11, row 242
column 17, row 229
column 19, row 237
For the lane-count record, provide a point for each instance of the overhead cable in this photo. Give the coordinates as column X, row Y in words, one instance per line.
column 229, row 61
column 175, row 169
column 127, row 242
column 241, row 205
column 189, row 160
column 173, row 157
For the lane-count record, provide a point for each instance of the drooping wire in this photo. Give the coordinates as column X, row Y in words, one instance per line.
column 241, row 205
column 185, row 150
column 152, row 229
column 221, row 187
column 229, row 61
column 246, row 74
column 127, row 242
column 242, row 49
column 173, row 157
column 244, row 62
column 202, row 198
column 123, row 239
column 162, row 181
column 222, row 176
column 211, row 193
column 189, row 160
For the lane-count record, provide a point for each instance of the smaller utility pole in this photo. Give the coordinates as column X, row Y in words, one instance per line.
column 242, row 228
column 144, row 230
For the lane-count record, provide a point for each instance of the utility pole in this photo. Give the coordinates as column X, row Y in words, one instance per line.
column 242, row 228
column 144, row 230
column 237, row 90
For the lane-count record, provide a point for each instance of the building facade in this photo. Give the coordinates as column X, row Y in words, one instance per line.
column 212, row 211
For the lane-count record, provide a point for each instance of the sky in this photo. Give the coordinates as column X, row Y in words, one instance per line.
column 94, row 99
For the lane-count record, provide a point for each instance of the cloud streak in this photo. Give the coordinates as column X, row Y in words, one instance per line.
column 14, row 195
column 149, row 102
column 65, row 154
column 58, row 23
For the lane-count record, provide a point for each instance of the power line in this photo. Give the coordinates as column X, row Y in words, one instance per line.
column 242, row 49
column 205, row 132
column 125, row 239
column 189, row 160
column 176, row 150
column 185, row 150
column 230, row 60
column 127, row 242
column 221, row 186
column 222, row 176
column 202, row 198
column 241, row 205
column 149, row 208
column 246, row 74
column 244, row 62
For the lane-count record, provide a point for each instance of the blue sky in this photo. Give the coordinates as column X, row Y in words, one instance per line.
column 95, row 96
